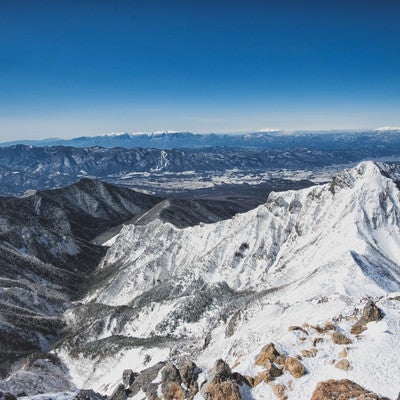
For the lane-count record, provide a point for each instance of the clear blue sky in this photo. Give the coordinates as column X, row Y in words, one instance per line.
column 77, row 67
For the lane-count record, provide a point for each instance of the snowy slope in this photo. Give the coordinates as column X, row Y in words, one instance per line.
column 309, row 256
column 332, row 230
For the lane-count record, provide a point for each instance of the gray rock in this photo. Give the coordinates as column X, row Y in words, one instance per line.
column 220, row 373
column 189, row 373
column 119, row 393
column 88, row 395
column 144, row 379
column 128, row 377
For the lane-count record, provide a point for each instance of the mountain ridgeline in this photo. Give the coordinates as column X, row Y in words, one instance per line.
column 381, row 139
column 292, row 294
column 48, row 252
column 24, row 168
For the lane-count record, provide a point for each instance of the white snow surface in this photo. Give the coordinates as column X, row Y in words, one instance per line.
column 310, row 256
column 338, row 236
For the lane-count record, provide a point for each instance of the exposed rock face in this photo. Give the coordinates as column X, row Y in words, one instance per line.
column 295, row 367
column 222, row 391
column 340, row 338
column 220, row 373
column 222, row 384
column 119, row 393
column 343, row 353
column 279, row 391
column 170, row 382
column 297, row 328
column 263, row 376
column 88, row 395
column 267, row 353
column 343, row 390
column 371, row 312
column 7, row 396
column 144, row 379
column 189, row 373
column 329, row 326
column 128, row 377
column 343, row 364
column 309, row 353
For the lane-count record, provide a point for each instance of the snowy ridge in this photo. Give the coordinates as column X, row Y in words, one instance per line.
column 264, row 248
column 305, row 257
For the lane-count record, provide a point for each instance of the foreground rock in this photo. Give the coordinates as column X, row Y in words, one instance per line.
column 343, row 390
column 222, row 383
column 222, row 391
column 295, row 367
column 371, row 312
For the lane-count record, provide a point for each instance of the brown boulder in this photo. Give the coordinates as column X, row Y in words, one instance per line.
column 222, row 391
column 371, row 312
column 263, row 376
column 189, row 373
column 297, row 328
column 344, row 365
column 329, row 326
column 342, row 353
column 175, row 392
column 279, row 391
column 267, row 353
column 342, row 390
column 273, row 370
column 309, row 353
column 358, row 328
column 295, row 367
column 170, row 382
column 339, row 338
column 220, row 373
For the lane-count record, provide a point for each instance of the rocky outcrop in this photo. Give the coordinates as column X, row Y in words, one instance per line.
column 88, row 395
column 222, row 384
column 128, row 377
column 280, row 391
column 189, row 373
column 340, row 338
column 343, row 390
column 371, row 312
column 267, row 354
column 220, row 373
column 344, row 365
column 7, row 396
column 120, row 393
column 171, row 382
column 295, row 367
column 222, row 391
column 144, row 380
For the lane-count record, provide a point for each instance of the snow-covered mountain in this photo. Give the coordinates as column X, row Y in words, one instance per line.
column 263, row 138
column 291, row 272
column 47, row 255
column 25, row 168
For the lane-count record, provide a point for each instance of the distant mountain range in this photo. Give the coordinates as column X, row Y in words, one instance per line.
column 25, row 167
column 274, row 140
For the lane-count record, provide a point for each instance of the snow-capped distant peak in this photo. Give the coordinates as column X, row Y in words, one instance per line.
column 269, row 130
column 114, row 134
column 140, row 133
column 388, row 129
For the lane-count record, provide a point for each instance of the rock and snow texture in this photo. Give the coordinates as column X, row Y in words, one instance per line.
column 309, row 256
column 345, row 234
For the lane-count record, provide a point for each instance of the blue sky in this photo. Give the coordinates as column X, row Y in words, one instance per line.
column 69, row 68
